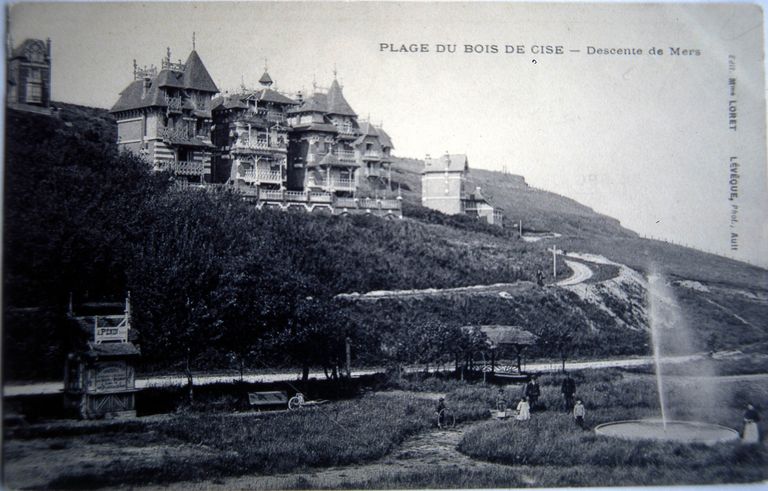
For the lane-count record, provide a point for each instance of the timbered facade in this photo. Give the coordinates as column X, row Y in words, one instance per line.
column 165, row 116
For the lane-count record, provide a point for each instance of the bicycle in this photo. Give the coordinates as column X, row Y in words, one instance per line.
column 445, row 419
column 296, row 402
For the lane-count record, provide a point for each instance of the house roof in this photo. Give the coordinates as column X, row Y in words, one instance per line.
column 105, row 350
column 196, row 76
column 134, row 96
column 266, row 79
column 368, row 129
column 270, row 95
column 447, row 163
column 384, row 138
column 231, row 101
column 314, row 103
column 170, row 78
column 331, row 103
column 326, row 127
column 337, row 104
column 504, row 335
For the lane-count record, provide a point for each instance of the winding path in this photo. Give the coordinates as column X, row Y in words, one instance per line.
column 430, row 451
column 581, row 273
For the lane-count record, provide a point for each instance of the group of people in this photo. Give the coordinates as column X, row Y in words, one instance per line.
column 530, row 401
column 571, row 404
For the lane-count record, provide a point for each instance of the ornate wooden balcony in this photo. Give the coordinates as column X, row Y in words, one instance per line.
column 179, row 133
column 244, row 143
column 174, row 104
column 372, row 155
column 346, row 155
column 188, row 168
column 333, row 184
column 257, row 176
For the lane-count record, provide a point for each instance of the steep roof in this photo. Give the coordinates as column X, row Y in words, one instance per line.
column 386, row 141
column 337, row 104
column 449, row 163
column 314, row 103
column 331, row 103
column 196, row 76
column 229, row 102
column 368, row 129
column 270, row 95
column 134, row 96
column 170, row 78
column 266, row 79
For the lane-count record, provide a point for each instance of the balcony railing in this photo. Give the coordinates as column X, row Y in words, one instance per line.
column 179, row 133
column 345, row 155
column 260, row 144
column 372, row 154
column 296, row 195
column 275, row 117
column 335, row 183
column 174, row 103
column 315, row 197
column 346, row 130
column 346, row 202
column 188, row 168
column 262, row 175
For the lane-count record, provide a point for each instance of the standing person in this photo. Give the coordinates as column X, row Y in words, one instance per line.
column 532, row 392
column 523, row 410
column 579, row 411
column 501, row 401
column 751, row 433
column 540, row 278
column 568, row 389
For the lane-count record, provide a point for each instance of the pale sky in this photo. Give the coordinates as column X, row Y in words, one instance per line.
column 642, row 138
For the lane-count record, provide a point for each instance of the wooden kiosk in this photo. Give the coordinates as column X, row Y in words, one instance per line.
column 99, row 377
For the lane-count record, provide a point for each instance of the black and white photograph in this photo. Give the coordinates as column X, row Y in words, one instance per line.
column 384, row 245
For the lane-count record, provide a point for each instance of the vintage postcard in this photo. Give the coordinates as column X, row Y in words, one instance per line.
column 312, row 245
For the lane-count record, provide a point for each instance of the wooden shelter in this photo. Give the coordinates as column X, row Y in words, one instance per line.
column 499, row 337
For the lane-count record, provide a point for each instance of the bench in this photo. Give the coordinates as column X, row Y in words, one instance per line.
column 268, row 398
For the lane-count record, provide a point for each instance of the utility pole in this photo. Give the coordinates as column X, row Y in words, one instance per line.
column 520, row 228
column 554, row 260
column 348, row 343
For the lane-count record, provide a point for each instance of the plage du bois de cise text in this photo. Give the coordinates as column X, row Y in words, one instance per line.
column 535, row 49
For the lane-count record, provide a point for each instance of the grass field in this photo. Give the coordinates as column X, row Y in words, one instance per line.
column 548, row 450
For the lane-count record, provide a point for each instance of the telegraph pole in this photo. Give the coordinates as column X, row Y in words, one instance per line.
column 554, row 260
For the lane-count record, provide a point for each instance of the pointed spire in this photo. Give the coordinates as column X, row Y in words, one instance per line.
column 193, row 40
column 265, row 79
column 334, row 71
column 168, row 54
column 337, row 104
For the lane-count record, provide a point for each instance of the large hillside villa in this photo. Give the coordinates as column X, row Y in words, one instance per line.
column 278, row 150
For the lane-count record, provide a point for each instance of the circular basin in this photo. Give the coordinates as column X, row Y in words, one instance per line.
column 674, row 431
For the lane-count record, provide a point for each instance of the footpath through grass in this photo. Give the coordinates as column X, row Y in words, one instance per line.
column 341, row 433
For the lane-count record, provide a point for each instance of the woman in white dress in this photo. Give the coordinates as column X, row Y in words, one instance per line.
column 750, row 433
column 523, row 410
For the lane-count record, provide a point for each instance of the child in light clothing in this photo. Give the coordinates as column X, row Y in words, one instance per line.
column 579, row 411
column 523, row 410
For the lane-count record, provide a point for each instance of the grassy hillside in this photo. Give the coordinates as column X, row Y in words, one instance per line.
column 212, row 279
column 584, row 230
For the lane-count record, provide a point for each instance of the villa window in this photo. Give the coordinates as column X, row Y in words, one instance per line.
column 34, row 92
